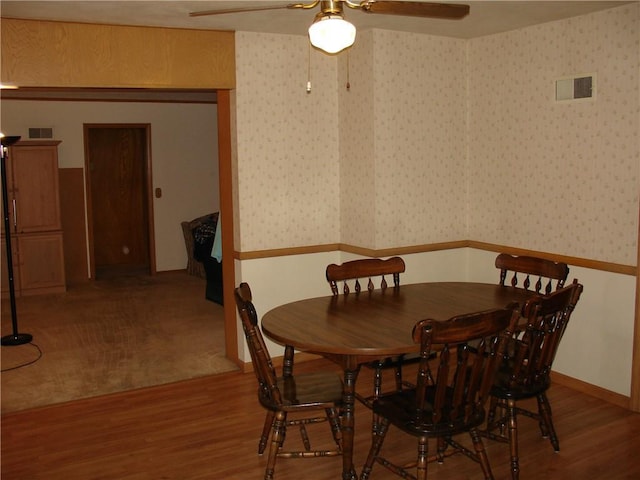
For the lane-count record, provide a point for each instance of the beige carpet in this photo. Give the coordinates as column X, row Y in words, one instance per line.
column 110, row 336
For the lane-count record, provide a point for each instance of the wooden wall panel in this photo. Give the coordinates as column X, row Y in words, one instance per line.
column 73, row 225
column 58, row 54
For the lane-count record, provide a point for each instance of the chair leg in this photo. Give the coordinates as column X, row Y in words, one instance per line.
column 374, row 426
column 279, row 427
column 377, row 389
column 266, row 430
column 305, row 437
column 440, row 449
column 376, row 445
column 423, row 455
column 334, row 420
column 546, row 422
column 478, row 445
column 377, row 381
column 491, row 413
column 398, row 375
column 513, row 438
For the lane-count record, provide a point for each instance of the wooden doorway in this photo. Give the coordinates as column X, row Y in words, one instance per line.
column 119, row 202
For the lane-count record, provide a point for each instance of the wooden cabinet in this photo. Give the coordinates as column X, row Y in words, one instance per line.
column 34, row 214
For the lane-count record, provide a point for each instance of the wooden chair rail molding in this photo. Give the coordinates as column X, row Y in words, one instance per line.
column 433, row 247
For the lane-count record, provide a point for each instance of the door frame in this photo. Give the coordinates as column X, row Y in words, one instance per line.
column 225, row 182
column 148, row 180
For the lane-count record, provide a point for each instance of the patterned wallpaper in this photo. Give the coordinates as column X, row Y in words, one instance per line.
column 442, row 139
column 420, row 104
column 403, row 141
column 358, row 173
column 287, row 152
column 553, row 176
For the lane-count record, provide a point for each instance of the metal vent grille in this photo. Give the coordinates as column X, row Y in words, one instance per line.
column 40, row 132
column 582, row 87
column 575, row 88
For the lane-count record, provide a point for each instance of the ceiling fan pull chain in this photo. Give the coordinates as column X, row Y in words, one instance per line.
column 309, row 71
column 348, row 83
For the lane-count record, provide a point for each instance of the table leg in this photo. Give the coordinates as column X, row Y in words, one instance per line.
column 348, row 421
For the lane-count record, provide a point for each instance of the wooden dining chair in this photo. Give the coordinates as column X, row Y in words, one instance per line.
column 468, row 350
column 521, row 269
column 349, row 278
column 316, row 396
column 526, row 370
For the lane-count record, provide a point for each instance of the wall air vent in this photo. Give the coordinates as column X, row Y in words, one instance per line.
column 40, row 132
column 575, row 88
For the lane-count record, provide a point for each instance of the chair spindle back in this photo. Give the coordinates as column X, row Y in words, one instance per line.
column 547, row 272
column 366, row 268
column 260, row 358
column 469, row 350
column 547, row 319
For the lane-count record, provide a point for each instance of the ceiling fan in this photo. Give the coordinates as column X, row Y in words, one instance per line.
column 331, row 33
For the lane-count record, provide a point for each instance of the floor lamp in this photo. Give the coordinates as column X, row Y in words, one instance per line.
column 15, row 338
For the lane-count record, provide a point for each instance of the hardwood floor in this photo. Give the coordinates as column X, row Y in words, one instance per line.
column 208, row 428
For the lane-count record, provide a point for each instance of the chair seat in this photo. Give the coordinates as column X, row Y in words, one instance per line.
column 505, row 389
column 304, row 391
column 400, row 409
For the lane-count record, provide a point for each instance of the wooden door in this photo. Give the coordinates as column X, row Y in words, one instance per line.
column 118, row 174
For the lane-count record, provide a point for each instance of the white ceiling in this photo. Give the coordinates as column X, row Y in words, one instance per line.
column 485, row 17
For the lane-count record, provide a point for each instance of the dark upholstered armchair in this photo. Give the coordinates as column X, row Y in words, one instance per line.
column 199, row 235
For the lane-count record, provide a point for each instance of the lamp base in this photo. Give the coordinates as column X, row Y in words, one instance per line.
column 17, row 339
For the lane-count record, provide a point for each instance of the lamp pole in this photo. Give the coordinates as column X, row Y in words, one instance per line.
column 15, row 338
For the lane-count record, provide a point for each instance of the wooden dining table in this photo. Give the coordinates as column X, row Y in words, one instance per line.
column 354, row 329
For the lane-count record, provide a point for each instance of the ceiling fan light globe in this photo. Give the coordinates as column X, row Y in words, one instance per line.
column 332, row 33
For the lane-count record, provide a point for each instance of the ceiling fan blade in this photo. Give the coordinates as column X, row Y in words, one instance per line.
column 238, row 10
column 416, row 9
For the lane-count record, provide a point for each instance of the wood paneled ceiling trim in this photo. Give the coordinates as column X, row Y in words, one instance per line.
column 112, row 95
